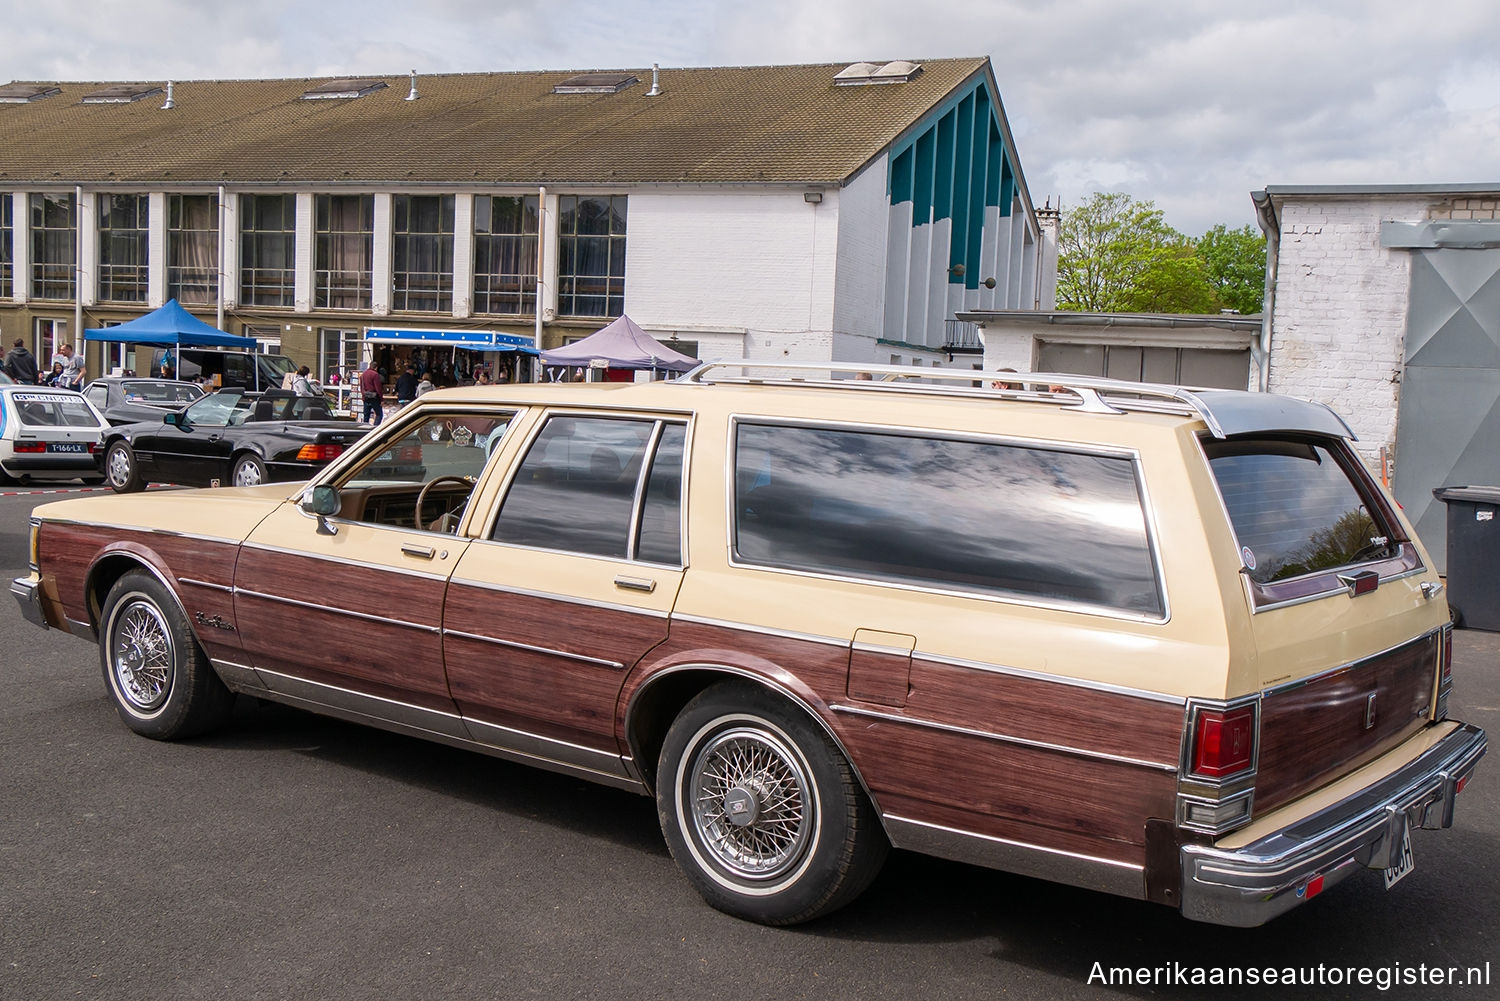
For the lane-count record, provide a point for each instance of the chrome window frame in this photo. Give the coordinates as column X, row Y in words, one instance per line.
column 1153, row 541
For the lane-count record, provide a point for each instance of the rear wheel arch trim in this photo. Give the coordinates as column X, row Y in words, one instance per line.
column 727, row 673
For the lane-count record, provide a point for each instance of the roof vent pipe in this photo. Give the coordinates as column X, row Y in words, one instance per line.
column 412, row 94
column 655, row 81
column 169, row 104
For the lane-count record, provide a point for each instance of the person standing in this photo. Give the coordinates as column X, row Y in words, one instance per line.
column 20, row 364
column 303, row 385
column 371, row 385
column 406, row 386
column 73, row 373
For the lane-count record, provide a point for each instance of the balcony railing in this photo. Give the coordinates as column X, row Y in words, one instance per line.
column 960, row 338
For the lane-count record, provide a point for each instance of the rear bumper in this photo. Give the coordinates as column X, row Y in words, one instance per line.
column 1251, row 884
column 75, row 462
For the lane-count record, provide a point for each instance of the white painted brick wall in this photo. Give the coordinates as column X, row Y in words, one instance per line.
column 1339, row 319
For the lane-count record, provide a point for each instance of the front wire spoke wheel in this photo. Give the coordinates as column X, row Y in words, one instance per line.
column 142, row 652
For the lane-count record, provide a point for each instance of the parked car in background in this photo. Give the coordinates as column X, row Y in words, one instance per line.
column 127, row 399
column 48, row 434
column 1174, row 645
column 256, row 371
column 230, row 436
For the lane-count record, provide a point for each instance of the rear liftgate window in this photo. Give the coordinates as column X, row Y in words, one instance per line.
column 1296, row 508
column 1033, row 523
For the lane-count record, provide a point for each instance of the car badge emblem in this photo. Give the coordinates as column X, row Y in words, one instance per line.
column 1370, row 712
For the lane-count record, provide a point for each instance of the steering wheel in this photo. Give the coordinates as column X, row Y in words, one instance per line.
column 449, row 521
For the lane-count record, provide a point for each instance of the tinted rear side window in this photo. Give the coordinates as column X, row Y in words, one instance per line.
column 1294, row 507
column 1033, row 523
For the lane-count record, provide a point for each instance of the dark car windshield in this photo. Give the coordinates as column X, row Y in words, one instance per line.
column 1296, row 508
column 227, row 406
column 149, row 391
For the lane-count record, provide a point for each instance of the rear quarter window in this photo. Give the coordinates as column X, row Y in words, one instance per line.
column 1032, row 523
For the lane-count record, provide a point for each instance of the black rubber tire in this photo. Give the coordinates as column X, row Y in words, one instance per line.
column 1455, row 615
column 244, row 462
column 842, row 845
column 157, row 675
column 121, row 471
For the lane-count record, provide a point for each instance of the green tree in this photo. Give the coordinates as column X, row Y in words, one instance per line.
column 1118, row 255
column 1236, row 262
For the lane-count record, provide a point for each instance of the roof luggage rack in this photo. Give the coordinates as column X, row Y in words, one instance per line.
column 1225, row 411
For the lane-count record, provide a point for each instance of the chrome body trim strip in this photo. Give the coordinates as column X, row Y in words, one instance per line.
column 565, row 598
column 1248, row 886
column 205, row 583
column 315, row 606
column 1125, row 879
column 700, row 620
column 173, row 533
column 1003, row 738
column 83, row 630
column 238, row 677
column 345, row 562
column 1056, row 679
column 1288, row 686
column 449, row 728
column 529, row 648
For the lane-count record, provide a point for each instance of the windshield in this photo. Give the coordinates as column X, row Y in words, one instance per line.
column 227, row 406
column 1296, row 509
column 148, row 391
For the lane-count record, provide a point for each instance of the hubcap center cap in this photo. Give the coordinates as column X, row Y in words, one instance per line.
column 134, row 657
column 741, row 806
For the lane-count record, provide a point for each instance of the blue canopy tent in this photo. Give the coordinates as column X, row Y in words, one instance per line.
column 171, row 324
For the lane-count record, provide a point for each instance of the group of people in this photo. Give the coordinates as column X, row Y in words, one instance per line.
column 67, row 370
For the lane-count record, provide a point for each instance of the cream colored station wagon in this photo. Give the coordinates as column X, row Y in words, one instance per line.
column 1176, row 645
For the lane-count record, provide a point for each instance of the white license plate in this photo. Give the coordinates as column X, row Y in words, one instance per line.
column 67, row 446
column 1404, row 863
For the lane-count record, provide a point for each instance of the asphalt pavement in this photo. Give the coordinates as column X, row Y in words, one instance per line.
column 295, row 857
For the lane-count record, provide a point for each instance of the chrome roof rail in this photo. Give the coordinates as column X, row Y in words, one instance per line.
column 1225, row 411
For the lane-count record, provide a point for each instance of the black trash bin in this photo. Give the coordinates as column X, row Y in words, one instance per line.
column 1473, row 554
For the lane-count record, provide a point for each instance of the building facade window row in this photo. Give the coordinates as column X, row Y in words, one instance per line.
column 506, row 232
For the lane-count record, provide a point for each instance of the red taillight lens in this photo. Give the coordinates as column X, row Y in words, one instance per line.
column 1223, row 742
column 1447, row 673
column 319, row 453
column 31, row 446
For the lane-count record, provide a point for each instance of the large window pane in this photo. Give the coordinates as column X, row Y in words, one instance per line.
column 591, row 259
column 575, row 490
column 422, row 273
column 124, row 241
column 53, row 246
column 7, row 236
column 344, row 252
column 193, row 248
column 1031, row 523
column 268, row 248
column 505, row 249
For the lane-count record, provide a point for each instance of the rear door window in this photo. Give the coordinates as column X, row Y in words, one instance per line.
column 1300, row 507
column 1030, row 523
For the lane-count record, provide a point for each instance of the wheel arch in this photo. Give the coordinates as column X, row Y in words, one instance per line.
column 108, row 569
column 660, row 698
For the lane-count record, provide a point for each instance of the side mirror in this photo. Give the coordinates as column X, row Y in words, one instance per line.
column 322, row 501
column 176, row 420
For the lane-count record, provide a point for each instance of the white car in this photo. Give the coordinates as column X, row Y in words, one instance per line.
column 48, row 434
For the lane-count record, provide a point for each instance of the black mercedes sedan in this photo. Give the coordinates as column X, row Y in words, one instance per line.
column 228, row 437
column 128, row 399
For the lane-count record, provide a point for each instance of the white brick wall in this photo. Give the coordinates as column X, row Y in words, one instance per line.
column 1339, row 319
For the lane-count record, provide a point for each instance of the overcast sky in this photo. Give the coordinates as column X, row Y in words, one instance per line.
column 1189, row 103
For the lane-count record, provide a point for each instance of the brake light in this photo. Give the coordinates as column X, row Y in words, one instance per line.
column 319, row 453
column 1224, row 742
column 31, row 446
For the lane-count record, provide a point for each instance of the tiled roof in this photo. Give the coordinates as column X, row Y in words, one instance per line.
column 771, row 124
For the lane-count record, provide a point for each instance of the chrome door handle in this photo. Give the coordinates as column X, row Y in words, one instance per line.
column 1431, row 589
column 636, row 584
column 421, row 552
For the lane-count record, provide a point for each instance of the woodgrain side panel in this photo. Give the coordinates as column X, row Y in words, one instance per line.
column 372, row 630
column 956, row 754
column 541, row 665
column 1314, row 732
column 68, row 552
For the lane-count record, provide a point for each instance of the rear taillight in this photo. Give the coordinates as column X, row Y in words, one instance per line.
column 23, row 447
column 319, row 453
column 1444, row 674
column 1224, row 742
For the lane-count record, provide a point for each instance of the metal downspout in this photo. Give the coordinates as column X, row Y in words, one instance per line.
column 1265, row 214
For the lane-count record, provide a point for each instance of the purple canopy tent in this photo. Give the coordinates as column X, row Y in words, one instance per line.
column 622, row 344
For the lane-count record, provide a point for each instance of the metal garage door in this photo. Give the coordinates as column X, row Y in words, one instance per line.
column 1448, row 420
column 1176, row 366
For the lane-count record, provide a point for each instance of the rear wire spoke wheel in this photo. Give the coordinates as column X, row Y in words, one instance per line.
column 158, row 676
column 760, row 809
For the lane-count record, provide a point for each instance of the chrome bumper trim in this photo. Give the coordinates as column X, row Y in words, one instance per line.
column 1247, row 886
column 28, row 593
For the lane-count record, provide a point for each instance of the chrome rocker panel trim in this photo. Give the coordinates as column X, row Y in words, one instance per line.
column 1248, row 886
